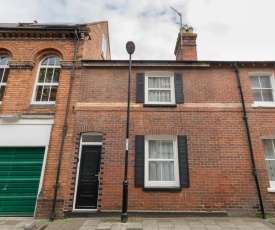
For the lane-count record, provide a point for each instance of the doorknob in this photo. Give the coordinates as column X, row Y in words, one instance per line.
column 5, row 188
column 98, row 175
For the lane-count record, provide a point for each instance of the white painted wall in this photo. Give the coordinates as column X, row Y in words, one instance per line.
column 25, row 133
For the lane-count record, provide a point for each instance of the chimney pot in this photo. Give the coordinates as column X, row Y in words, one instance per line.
column 190, row 30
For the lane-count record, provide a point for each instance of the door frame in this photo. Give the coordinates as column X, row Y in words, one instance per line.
column 99, row 144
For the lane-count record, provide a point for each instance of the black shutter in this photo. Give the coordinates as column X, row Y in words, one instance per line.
column 183, row 162
column 179, row 89
column 139, row 161
column 140, row 88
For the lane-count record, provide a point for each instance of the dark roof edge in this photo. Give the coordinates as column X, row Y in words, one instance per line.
column 163, row 63
column 174, row 61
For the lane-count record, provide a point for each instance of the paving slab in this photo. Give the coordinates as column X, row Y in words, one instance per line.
column 134, row 226
column 104, row 226
column 87, row 227
column 182, row 227
column 5, row 227
column 118, row 227
column 150, row 225
column 165, row 224
column 179, row 222
column 227, row 225
column 91, row 222
column 213, row 227
column 195, row 224
column 208, row 221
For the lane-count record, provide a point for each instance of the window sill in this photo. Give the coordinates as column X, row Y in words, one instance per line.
column 263, row 105
column 168, row 189
column 271, row 189
column 43, row 106
column 159, row 105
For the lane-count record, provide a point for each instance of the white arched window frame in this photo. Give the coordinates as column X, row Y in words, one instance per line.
column 46, row 84
column 4, row 73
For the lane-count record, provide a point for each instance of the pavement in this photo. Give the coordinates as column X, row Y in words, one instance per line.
column 113, row 223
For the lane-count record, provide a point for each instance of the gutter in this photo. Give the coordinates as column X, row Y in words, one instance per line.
column 65, row 128
column 254, row 171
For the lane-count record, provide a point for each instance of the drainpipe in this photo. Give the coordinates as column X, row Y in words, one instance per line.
column 65, row 128
column 254, row 171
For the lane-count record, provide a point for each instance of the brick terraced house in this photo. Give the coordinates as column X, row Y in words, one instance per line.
column 202, row 133
column 38, row 64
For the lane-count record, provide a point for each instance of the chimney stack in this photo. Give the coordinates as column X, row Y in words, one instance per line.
column 186, row 47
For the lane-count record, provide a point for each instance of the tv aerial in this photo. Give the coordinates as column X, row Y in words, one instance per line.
column 185, row 26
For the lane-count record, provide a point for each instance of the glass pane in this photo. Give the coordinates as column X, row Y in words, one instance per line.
column 265, row 82
column 154, row 171
column 6, row 74
column 51, row 61
column 165, row 96
column 4, row 61
column 38, row 93
column 269, row 151
column 153, row 82
column 41, row 75
column 2, row 90
column 45, row 94
column 165, row 82
column 167, row 149
column 1, row 74
column 96, row 138
column 153, row 95
column 254, row 81
column 49, row 75
column 45, row 62
column 257, row 96
column 53, row 93
column 270, row 165
column 153, row 149
column 267, row 95
column 56, row 75
column 168, row 171
column 57, row 61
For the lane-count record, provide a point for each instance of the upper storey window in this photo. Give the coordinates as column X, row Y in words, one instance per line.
column 47, row 81
column 262, row 85
column 4, row 72
column 159, row 88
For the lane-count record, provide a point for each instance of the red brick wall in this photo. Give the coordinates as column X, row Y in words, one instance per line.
column 212, row 118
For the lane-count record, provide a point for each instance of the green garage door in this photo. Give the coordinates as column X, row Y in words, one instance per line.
column 20, row 170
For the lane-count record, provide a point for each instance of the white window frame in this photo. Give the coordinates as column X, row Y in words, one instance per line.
column 161, row 184
column 159, row 75
column 271, row 183
column 78, row 167
column 104, row 46
column 272, row 82
column 44, row 84
column 4, row 67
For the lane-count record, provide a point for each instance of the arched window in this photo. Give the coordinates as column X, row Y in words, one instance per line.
column 4, row 72
column 47, row 81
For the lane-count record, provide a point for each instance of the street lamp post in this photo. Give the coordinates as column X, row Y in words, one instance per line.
column 130, row 47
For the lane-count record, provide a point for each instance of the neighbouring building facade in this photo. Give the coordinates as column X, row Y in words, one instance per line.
column 38, row 64
column 202, row 133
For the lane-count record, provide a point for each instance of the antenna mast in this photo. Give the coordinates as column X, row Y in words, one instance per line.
column 180, row 25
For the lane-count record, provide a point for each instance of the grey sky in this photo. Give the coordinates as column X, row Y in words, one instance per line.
column 227, row 29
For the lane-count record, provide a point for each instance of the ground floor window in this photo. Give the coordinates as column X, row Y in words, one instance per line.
column 269, row 152
column 161, row 162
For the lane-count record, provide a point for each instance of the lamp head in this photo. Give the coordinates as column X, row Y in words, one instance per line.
column 130, row 47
